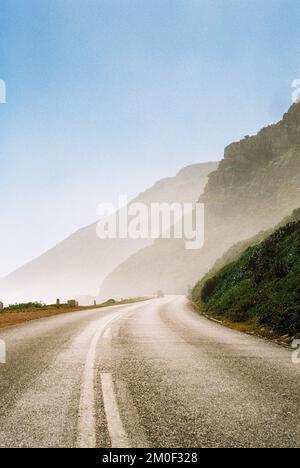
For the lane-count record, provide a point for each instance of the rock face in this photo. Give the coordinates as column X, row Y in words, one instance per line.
column 258, row 181
column 256, row 185
column 77, row 266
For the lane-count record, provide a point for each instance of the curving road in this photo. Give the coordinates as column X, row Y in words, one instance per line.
column 153, row 374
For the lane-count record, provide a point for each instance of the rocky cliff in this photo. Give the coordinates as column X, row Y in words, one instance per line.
column 256, row 185
column 258, row 181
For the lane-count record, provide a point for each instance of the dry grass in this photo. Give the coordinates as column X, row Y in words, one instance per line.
column 9, row 318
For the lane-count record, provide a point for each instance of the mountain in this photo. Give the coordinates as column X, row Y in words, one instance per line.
column 255, row 186
column 261, row 287
column 77, row 265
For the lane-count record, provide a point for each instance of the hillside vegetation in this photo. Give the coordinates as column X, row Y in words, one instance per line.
column 261, row 287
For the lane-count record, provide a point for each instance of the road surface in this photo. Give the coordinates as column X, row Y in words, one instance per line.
column 152, row 374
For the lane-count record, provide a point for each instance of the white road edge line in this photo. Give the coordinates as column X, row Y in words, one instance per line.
column 86, row 437
column 87, row 418
column 107, row 334
column 116, row 430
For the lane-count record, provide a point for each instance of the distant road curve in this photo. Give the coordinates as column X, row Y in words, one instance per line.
column 150, row 374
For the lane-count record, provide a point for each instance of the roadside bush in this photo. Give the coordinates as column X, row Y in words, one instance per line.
column 208, row 289
column 27, row 305
column 262, row 286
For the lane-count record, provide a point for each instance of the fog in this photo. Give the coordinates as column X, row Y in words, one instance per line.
column 77, row 266
column 255, row 186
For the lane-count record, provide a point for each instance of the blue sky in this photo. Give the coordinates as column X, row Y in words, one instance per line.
column 107, row 96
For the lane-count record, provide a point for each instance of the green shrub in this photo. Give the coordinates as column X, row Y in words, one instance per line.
column 263, row 285
column 27, row 305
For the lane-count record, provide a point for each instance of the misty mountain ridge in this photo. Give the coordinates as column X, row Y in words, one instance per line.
column 77, row 265
column 255, row 186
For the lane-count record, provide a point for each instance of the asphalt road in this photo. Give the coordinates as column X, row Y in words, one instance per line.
column 153, row 374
